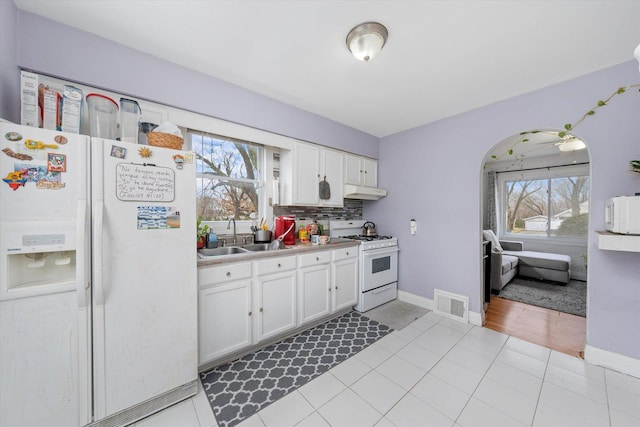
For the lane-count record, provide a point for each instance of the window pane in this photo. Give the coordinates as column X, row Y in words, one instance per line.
column 219, row 200
column 569, row 206
column 526, row 207
column 228, row 175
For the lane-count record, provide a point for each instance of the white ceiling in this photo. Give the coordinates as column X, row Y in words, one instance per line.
column 442, row 57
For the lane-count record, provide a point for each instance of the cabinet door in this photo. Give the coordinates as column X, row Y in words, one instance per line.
column 345, row 284
column 307, row 167
column 276, row 304
column 331, row 166
column 353, row 169
column 224, row 319
column 370, row 172
column 314, row 301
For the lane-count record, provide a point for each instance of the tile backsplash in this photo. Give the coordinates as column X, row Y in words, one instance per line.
column 352, row 210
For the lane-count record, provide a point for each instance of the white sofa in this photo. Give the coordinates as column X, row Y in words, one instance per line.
column 508, row 259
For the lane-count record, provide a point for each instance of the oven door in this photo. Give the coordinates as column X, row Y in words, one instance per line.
column 379, row 267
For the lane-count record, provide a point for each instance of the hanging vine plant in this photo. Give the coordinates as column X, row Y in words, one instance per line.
column 565, row 134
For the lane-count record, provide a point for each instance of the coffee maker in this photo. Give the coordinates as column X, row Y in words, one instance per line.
column 285, row 225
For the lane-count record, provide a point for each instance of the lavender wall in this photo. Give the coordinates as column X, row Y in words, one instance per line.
column 433, row 174
column 9, row 73
column 51, row 48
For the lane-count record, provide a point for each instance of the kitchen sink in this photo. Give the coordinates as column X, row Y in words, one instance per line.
column 257, row 247
column 230, row 250
column 225, row 250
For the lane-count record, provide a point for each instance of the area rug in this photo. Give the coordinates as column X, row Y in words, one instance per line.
column 396, row 314
column 571, row 298
column 241, row 388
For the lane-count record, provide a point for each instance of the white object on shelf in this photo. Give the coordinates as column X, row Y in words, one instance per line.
column 618, row 242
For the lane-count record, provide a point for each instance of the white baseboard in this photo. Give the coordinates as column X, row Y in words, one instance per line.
column 474, row 317
column 617, row 362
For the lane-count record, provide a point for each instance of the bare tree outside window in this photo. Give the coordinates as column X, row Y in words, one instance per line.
column 556, row 206
column 228, row 174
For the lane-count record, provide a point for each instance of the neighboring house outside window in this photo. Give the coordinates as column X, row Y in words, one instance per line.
column 545, row 203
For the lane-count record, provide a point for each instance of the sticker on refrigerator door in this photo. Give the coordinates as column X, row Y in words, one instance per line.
column 33, row 144
column 14, row 180
column 43, row 178
column 9, row 152
column 119, row 152
column 179, row 161
column 13, row 136
column 56, row 162
column 145, row 183
column 158, row 217
column 60, row 139
column 145, row 152
column 188, row 158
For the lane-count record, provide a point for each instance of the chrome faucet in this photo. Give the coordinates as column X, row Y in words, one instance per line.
column 234, row 228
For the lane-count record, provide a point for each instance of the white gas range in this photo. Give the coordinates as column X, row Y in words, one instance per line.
column 378, row 263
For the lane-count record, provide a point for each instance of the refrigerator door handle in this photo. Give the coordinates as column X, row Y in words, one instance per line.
column 81, row 267
column 98, row 285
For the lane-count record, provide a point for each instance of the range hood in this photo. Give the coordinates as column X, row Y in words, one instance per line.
column 362, row 192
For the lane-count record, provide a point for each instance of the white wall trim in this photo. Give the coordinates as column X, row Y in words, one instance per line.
column 474, row 318
column 617, row 362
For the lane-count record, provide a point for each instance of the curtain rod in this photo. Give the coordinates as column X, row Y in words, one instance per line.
column 544, row 167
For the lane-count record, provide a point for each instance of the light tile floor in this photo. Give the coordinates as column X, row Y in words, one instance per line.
column 439, row 372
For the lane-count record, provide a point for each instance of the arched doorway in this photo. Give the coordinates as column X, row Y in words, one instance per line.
column 536, row 194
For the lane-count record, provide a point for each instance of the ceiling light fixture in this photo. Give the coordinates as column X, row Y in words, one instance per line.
column 572, row 144
column 366, row 40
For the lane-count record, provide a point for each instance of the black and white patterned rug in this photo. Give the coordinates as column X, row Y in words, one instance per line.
column 241, row 388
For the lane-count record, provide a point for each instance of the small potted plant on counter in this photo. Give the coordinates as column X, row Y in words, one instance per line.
column 202, row 231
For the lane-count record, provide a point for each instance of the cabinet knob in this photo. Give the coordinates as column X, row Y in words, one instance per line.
column 329, row 289
column 279, row 265
column 347, row 253
column 336, row 287
column 261, row 310
column 317, row 258
column 228, row 274
column 249, row 313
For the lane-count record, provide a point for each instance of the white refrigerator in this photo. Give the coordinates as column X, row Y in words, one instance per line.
column 98, row 292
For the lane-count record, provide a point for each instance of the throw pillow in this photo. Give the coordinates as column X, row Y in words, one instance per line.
column 495, row 243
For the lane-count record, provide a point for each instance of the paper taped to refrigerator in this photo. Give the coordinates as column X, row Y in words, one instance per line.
column 145, row 183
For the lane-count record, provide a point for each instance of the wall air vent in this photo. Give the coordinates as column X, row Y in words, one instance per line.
column 451, row 305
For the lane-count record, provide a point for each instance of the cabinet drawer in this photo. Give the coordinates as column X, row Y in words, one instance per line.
column 224, row 273
column 345, row 253
column 274, row 265
column 315, row 258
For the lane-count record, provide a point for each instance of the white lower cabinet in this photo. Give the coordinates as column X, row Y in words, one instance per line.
column 314, row 284
column 243, row 304
column 275, row 297
column 225, row 319
column 344, row 278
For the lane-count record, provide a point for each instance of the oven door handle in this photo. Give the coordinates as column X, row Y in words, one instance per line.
column 376, row 252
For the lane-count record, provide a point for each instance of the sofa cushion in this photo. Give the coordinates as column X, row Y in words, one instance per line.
column 491, row 236
column 508, row 263
column 546, row 260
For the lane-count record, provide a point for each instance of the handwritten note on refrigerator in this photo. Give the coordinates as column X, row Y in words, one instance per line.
column 145, row 183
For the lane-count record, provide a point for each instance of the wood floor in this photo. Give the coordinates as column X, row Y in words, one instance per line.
column 549, row 328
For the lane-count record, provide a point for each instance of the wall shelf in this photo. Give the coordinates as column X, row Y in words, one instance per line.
column 618, row 242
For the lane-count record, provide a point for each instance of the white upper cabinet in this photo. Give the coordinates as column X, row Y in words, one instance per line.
column 360, row 171
column 301, row 171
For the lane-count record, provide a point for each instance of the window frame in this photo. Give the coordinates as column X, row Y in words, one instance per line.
column 548, row 173
column 264, row 210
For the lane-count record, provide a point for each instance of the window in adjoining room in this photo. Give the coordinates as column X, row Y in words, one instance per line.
column 545, row 203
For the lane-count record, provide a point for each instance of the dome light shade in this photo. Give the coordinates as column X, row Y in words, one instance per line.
column 366, row 40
